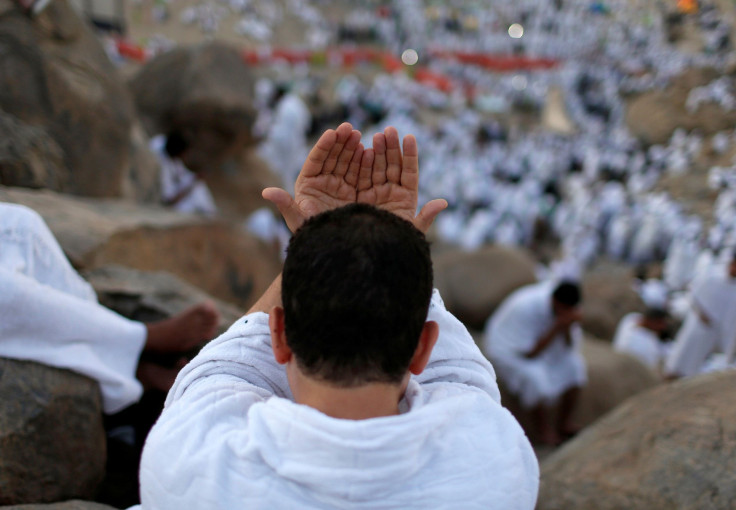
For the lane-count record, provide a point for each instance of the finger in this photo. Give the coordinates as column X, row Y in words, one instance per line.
column 353, row 173
column 286, row 205
column 429, row 212
column 410, row 167
column 379, row 159
column 343, row 133
column 365, row 173
column 393, row 155
column 346, row 155
column 319, row 153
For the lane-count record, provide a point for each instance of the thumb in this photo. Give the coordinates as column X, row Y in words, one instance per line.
column 428, row 213
column 286, row 205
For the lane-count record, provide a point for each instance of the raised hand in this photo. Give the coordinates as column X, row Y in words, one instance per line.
column 391, row 182
column 328, row 178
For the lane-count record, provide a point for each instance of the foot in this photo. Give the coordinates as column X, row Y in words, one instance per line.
column 184, row 331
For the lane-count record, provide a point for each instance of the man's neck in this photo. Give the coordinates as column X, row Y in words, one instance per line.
column 372, row 400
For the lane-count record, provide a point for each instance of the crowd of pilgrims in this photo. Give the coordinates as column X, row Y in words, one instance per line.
column 593, row 185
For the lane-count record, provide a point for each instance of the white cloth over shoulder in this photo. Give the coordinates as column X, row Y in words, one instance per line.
column 230, row 436
column 715, row 296
column 514, row 329
column 175, row 178
column 638, row 341
column 50, row 315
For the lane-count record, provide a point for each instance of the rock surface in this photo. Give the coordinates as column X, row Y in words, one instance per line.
column 206, row 92
column 57, row 79
column 474, row 284
column 608, row 295
column 653, row 116
column 149, row 296
column 672, row 447
column 214, row 256
column 67, row 505
column 52, row 442
column 612, row 378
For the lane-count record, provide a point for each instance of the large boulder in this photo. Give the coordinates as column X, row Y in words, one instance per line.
column 613, row 377
column 672, row 447
column 206, row 92
column 29, row 157
column 58, row 80
column 654, row 115
column 52, row 441
column 217, row 257
column 148, row 296
column 608, row 295
column 75, row 504
column 473, row 284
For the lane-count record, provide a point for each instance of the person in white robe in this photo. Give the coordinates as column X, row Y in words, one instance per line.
column 285, row 146
column 254, row 420
column 50, row 315
column 181, row 188
column 640, row 335
column 533, row 340
column 709, row 326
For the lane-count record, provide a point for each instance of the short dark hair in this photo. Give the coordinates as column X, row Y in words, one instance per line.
column 176, row 144
column 356, row 288
column 567, row 293
column 655, row 313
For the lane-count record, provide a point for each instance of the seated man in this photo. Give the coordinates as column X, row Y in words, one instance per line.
column 49, row 314
column 181, row 188
column 533, row 340
column 641, row 336
column 709, row 327
column 348, row 384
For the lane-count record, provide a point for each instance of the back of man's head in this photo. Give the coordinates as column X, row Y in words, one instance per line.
column 356, row 287
column 567, row 293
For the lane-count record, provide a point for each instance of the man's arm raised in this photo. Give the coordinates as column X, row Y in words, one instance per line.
column 392, row 181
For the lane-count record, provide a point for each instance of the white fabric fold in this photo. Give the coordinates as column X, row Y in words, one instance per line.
column 50, row 315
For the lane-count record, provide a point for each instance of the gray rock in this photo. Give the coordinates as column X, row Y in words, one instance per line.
column 52, row 442
column 473, row 284
column 671, row 447
column 206, row 92
column 151, row 295
column 608, row 295
column 58, row 79
column 217, row 257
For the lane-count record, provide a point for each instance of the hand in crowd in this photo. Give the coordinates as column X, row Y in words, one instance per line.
column 339, row 171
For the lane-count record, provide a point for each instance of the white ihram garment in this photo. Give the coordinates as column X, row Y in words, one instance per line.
column 50, row 315
column 640, row 342
column 230, row 436
column 514, row 329
column 715, row 295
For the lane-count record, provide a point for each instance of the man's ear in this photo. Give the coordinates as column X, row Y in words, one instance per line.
column 281, row 351
column 427, row 339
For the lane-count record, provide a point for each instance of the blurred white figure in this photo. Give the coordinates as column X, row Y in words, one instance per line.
column 710, row 325
column 285, row 147
column 639, row 335
column 181, row 188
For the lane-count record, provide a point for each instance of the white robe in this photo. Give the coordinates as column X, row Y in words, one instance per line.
column 715, row 295
column 640, row 342
column 175, row 178
column 230, row 436
column 514, row 330
column 50, row 315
